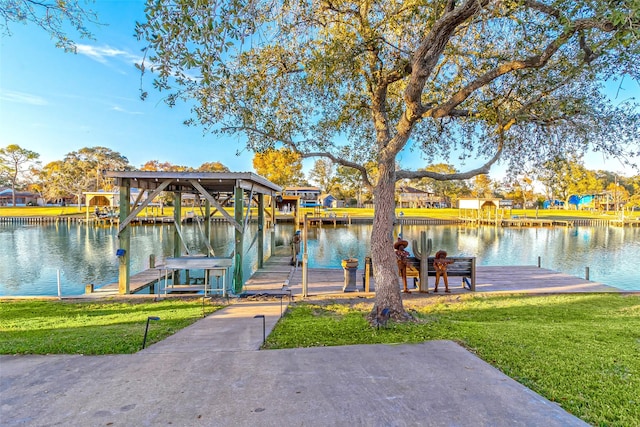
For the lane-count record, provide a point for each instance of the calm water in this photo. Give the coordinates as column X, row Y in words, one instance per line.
column 31, row 255
column 612, row 254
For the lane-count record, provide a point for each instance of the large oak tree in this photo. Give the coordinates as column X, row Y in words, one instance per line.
column 81, row 171
column 359, row 81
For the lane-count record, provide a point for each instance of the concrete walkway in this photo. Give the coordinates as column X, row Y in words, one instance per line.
column 211, row 374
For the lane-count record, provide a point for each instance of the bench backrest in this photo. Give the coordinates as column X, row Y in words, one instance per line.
column 461, row 265
column 464, row 267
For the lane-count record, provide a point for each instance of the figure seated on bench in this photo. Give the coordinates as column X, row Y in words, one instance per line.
column 440, row 264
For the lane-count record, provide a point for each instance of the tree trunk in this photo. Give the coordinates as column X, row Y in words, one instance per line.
column 13, row 190
column 385, row 269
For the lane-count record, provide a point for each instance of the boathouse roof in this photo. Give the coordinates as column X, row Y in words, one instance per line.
column 182, row 182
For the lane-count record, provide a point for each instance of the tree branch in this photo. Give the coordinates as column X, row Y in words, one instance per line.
column 484, row 169
column 294, row 146
column 343, row 162
column 429, row 51
column 541, row 7
column 536, row 61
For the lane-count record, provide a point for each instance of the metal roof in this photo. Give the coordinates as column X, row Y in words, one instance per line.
column 183, row 182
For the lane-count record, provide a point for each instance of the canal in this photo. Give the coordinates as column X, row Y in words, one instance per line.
column 32, row 255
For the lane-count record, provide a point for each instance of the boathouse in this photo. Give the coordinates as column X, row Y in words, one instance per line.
column 219, row 189
column 479, row 209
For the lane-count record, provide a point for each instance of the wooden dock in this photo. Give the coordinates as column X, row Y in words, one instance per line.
column 275, row 276
column 416, row 220
column 279, row 277
column 328, row 219
column 138, row 281
column 497, row 279
column 518, row 222
column 629, row 222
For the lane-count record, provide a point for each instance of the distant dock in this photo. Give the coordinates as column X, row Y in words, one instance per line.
column 328, row 219
column 518, row 222
column 625, row 222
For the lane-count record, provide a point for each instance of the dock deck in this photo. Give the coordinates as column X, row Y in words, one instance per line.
column 278, row 276
column 502, row 279
column 629, row 222
column 138, row 281
column 518, row 222
column 334, row 220
column 275, row 276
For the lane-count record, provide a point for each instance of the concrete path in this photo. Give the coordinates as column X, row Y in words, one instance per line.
column 211, row 374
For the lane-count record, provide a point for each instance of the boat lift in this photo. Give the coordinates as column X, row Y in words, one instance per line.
column 233, row 187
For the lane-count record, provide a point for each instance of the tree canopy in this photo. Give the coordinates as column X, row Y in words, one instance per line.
column 282, row 167
column 322, row 174
column 81, row 171
column 15, row 165
column 56, row 17
column 358, row 81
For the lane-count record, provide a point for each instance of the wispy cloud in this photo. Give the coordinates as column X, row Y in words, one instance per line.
column 22, row 98
column 122, row 110
column 102, row 54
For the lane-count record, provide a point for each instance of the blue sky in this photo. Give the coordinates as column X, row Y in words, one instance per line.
column 53, row 102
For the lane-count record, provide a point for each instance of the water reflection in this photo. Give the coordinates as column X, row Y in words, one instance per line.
column 30, row 255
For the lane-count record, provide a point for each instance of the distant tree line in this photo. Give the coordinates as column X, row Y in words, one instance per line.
column 78, row 172
column 83, row 171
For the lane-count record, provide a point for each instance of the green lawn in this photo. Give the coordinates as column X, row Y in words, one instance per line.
column 104, row 327
column 453, row 213
column 64, row 211
column 581, row 351
column 39, row 211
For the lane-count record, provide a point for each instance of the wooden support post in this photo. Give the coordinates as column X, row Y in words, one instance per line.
column 473, row 274
column 124, row 238
column 207, row 235
column 207, row 220
column 367, row 274
column 87, row 200
column 305, row 260
column 177, row 239
column 273, row 222
column 239, row 236
column 260, row 230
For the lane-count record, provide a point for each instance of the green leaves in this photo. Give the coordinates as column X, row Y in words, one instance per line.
column 282, row 167
column 56, row 18
column 321, row 74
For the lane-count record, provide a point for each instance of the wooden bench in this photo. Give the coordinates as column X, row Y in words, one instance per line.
column 464, row 267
